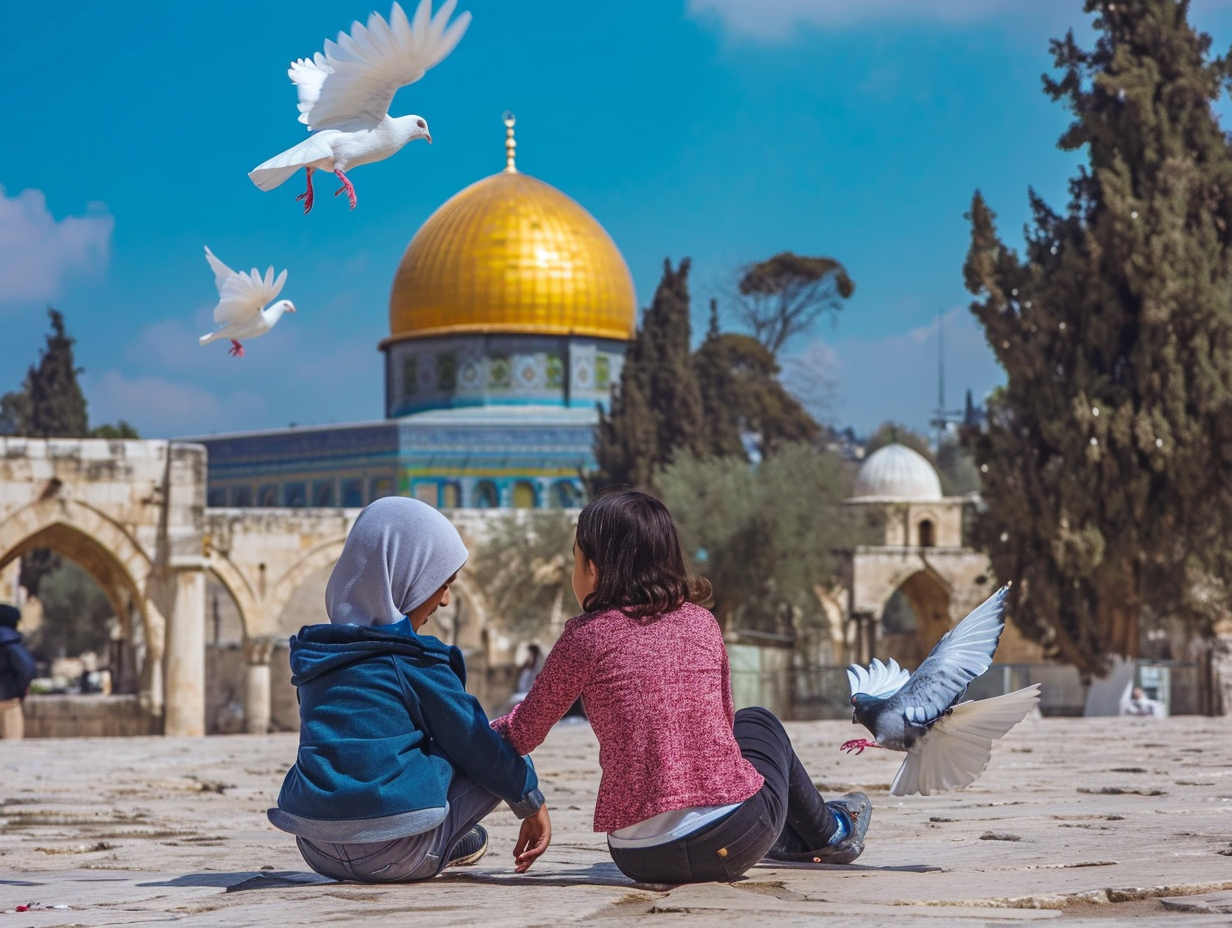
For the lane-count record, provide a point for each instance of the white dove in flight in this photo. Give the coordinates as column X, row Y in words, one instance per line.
column 241, row 296
column 344, row 95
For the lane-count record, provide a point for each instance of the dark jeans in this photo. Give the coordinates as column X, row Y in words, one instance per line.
column 724, row 850
column 404, row 860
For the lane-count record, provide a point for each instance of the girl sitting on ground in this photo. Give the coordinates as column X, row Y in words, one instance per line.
column 690, row 791
column 397, row 763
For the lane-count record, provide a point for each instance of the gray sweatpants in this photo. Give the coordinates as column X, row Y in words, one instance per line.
column 404, row 860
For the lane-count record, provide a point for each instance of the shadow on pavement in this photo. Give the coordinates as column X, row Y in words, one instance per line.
column 597, row 874
column 244, row 879
column 793, row 865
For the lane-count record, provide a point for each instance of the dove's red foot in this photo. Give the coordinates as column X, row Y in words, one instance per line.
column 346, row 185
column 858, row 745
column 306, row 196
column 237, row 350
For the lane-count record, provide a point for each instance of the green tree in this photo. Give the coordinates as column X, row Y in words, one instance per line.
column 766, row 535
column 657, row 408
column 50, row 403
column 889, row 433
column 118, row 431
column 742, row 395
column 1106, row 455
column 75, row 614
column 956, row 465
column 784, row 295
column 527, row 566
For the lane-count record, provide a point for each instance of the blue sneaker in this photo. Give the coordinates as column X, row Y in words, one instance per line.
column 474, row 845
column 854, row 810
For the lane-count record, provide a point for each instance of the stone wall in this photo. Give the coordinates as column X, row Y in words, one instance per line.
column 88, row 717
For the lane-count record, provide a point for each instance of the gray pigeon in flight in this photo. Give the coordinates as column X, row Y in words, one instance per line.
column 948, row 743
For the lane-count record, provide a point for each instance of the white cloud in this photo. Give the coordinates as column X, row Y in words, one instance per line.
column 894, row 377
column 159, row 407
column 776, row 20
column 38, row 253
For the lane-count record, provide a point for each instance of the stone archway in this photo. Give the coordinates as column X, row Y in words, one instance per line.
column 115, row 561
column 284, row 587
column 925, row 597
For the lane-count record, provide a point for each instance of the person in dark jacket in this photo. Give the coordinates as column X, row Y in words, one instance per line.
column 397, row 763
column 16, row 672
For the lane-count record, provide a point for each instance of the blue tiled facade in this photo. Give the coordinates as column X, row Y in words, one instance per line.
column 528, row 456
column 461, row 371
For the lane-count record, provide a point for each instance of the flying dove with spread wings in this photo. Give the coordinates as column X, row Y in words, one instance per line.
column 948, row 743
column 241, row 312
column 345, row 94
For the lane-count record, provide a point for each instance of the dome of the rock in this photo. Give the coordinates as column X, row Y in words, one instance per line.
column 511, row 254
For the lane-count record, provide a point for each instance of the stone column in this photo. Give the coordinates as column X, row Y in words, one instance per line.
column 185, row 656
column 257, row 653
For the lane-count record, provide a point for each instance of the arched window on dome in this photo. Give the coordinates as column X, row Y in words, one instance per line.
column 566, row 495
column 524, row 495
column 486, row 496
column 927, row 539
column 451, row 494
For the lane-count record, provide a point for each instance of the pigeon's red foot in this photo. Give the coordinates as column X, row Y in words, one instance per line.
column 237, row 350
column 306, row 196
column 858, row 745
column 346, row 185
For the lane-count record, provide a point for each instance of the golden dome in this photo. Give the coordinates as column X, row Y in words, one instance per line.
column 512, row 254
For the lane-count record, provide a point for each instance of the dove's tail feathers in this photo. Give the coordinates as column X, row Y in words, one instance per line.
column 307, row 153
column 957, row 749
column 881, row 680
column 206, row 339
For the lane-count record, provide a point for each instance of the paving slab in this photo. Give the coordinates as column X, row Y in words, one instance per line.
column 1075, row 822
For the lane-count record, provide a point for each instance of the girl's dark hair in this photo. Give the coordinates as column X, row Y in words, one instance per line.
column 630, row 537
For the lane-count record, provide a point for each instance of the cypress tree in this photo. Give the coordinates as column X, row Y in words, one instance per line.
column 1106, row 455
column 50, row 403
column 657, row 409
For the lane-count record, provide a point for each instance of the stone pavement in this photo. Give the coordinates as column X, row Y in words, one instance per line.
column 1076, row 821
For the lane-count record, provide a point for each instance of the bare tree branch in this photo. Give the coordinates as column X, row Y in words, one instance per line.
column 784, row 295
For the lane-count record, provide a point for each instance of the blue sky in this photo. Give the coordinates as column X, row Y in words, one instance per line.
column 723, row 130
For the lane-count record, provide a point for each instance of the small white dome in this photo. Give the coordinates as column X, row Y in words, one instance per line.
column 895, row 472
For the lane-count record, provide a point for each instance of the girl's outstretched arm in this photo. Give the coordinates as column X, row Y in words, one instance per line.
column 558, row 686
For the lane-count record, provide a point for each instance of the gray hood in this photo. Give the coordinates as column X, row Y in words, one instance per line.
column 400, row 551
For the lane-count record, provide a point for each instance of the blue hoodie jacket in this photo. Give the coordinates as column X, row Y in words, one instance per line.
column 385, row 720
column 16, row 665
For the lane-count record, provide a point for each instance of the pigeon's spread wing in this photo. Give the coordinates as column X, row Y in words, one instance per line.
column 221, row 271
column 957, row 749
column 878, row 680
column 243, row 295
column 962, row 654
column 352, row 85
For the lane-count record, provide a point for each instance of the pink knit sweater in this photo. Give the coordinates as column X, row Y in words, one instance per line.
column 658, row 695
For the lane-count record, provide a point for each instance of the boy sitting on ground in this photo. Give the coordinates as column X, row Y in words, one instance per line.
column 396, row 763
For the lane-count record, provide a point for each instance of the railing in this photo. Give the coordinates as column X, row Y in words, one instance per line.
column 824, row 692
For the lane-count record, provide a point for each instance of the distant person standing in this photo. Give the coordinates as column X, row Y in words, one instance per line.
column 1140, row 704
column 16, row 672
column 530, row 668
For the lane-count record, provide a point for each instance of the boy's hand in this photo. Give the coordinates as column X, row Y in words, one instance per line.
column 533, row 839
